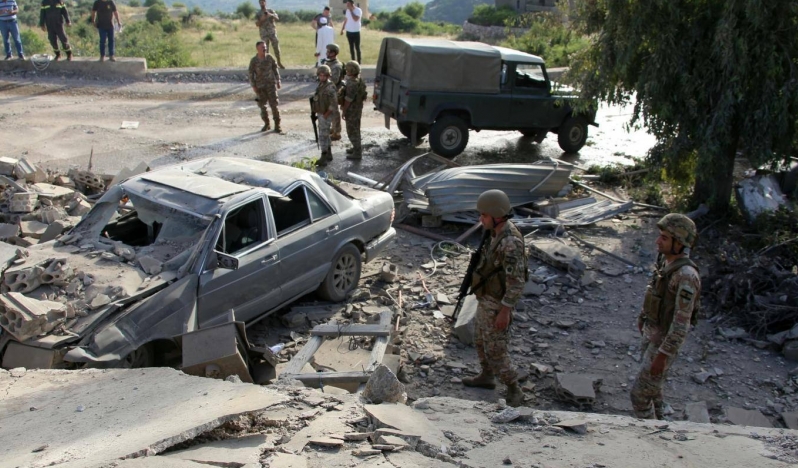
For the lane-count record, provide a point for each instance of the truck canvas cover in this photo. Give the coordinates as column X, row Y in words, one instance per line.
column 441, row 65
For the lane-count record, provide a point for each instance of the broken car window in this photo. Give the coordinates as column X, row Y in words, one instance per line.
column 143, row 222
column 529, row 75
column 244, row 227
column 290, row 212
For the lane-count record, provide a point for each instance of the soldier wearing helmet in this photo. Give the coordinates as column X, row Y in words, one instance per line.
column 324, row 102
column 354, row 95
column 336, row 77
column 498, row 284
column 670, row 307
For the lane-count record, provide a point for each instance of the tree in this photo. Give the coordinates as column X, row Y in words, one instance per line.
column 156, row 13
column 708, row 78
column 246, row 10
column 414, row 10
column 150, row 3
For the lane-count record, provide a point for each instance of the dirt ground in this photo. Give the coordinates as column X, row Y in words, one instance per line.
column 572, row 328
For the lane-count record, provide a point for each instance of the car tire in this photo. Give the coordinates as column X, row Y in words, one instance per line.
column 448, row 136
column 537, row 135
column 572, row 134
column 343, row 276
column 144, row 356
column 405, row 128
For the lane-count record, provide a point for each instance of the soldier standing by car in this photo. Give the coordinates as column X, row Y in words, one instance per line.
column 52, row 17
column 669, row 308
column 354, row 95
column 265, row 20
column 498, row 283
column 324, row 100
column 336, row 76
column 265, row 80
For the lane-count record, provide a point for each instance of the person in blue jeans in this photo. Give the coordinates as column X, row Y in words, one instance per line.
column 10, row 28
column 103, row 13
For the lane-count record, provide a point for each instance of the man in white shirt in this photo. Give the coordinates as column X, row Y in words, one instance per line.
column 325, row 35
column 352, row 28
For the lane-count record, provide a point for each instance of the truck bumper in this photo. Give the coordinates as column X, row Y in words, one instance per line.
column 376, row 246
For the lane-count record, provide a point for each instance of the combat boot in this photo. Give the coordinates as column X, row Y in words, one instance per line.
column 326, row 156
column 69, row 55
column 335, row 136
column 514, row 395
column 57, row 55
column 483, row 380
column 277, row 127
column 355, row 154
column 266, row 127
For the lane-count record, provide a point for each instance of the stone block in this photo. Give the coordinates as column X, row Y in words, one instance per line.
column 742, row 417
column 384, row 387
column 790, row 420
column 58, row 273
column 25, row 318
column 55, row 229
column 53, row 191
column 575, row 389
column 8, row 230
column 240, row 451
column 150, row 265
column 216, row 352
column 389, row 272
column 697, row 412
column 51, row 214
column 559, row 255
column 30, row 357
column 24, row 280
column 33, row 229
column 88, row 179
column 23, row 202
column 7, row 166
column 466, row 320
column 78, row 207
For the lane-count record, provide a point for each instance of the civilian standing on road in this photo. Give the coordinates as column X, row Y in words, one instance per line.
column 324, row 36
column 266, row 20
column 669, row 309
column 354, row 95
column 352, row 28
column 314, row 23
column 10, row 28
column 103, row 13
column 52, row 17
column 265, row 80
column 498, row 283
column 324, row 100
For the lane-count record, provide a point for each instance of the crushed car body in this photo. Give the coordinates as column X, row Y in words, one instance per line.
column 176, row 250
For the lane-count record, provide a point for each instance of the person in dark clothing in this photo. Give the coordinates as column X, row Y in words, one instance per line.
column 51, row 19
column 103, row 13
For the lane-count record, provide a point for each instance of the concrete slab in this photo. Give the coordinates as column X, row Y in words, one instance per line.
column 408, row 459
column 91, row 417
column 240, row 451
column 124, row 67
column 466, row 320
column 287, row 460
column 408, row 420
column 157, row 462
column 575, row 388
column 742, row 417
column 697, row 412
column 790, row 419
column 455, row 415
column 328, row 424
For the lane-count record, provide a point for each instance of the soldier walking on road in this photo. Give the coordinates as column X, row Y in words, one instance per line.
column 354, row 95
column 336, row 76
column 669, row 308
column 265, row 80
column 498, row 283
column 324, row 101
column 52, row 17
column 265, row 19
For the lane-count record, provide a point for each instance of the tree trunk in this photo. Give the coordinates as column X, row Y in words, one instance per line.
column 714, row 185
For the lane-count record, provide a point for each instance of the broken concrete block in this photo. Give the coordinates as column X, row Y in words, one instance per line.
column 55, row 229
column 466, row 321
column 697, row 412
column 8, row 230
column 540, row 370
column 790, row 419
column 302, row 315
column 576, row 425
column 532, row 288
column 506, row 415
column 407, row 420
column 64, row 181
column 702, row 377
column 214, row 352
column 51, row 191
column 7, row 165
column 759, row 194
column 51, row 214
column 23, row 202
column 389, row 273
column 58, row 273
column 241, row 451
column 126, row 173
column 411, row 440
column 287, row 460
column 88, row 179
column 78, row 207
column 559, row 255
column 100, row 300
column 25, row 170
column 150, row 265
column 33, row 229
column 742, row 417
column 30, row 357
column 326, row 442
column 384, row 387
column 575, row 389
column 25, row 280
column 25, row 318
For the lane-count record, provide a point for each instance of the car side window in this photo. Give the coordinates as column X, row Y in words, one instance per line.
column 291, row 211
column 504, row 74
column 244, row 227
column 318, row 209
column 529, row 75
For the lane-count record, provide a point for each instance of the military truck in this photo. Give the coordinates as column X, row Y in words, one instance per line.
column 444, row 88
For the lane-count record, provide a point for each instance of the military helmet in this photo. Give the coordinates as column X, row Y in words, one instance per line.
column 352, row 67
column 680, row 227
column 333, row 48
column 494, row 202
column 323, row 69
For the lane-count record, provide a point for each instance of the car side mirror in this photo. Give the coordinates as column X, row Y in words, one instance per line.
column 227, row 262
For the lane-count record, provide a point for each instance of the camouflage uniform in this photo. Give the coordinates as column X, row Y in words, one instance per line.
column 325, row 99
column 268, row 32
column 354, row 93
column 264, row 75
column 670, row 303
column 336, row 75
column 503, row 262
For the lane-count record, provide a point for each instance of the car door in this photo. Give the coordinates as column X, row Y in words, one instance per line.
column 530, row 102
column 252, row 288
column 306, row 231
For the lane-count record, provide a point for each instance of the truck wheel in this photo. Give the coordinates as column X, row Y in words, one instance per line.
column 405, row 128
column 572, row 134
column 448, row 136
column 343, row 276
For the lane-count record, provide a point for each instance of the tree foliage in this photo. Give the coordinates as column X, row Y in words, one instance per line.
column 548, row 37
column 162, row 50
column 245, row 10
column 156, row 13
column 709, row 78
column 414, row 10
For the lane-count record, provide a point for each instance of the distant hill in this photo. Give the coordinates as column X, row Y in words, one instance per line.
column 451, row 11
column 229, row 6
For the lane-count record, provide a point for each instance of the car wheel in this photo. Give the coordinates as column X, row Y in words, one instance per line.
column 405, row 128
column 144, row 356
column 448, row 136
column 537, row 135
column 343, row 276
column 572, row 134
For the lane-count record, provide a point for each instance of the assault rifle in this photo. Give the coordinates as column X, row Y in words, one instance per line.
column 313, row 119
column 465, row 286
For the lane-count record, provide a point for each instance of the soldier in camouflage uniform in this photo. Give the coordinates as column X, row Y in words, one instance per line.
column 324, row 101
column 265, row 80
column 265, row 20
column 498, row 283
column 336, row 77
column 669, row 309
column 354, row 95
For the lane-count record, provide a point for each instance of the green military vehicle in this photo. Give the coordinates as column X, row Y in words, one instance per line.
column 444, row 88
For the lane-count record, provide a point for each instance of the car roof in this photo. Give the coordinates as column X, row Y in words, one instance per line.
column 510, row 55
column 204, row 185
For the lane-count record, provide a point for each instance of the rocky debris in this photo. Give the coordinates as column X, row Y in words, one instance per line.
column 466, row 320
column 575, row 389
column 384, row 387
column 743, row 417
column 697, row 412
column 506, row 415
column 554, row 252
column 302, row 315
column 24, row 317
column 575, row 425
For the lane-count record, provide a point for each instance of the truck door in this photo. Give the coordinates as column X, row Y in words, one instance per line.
column 530, row 91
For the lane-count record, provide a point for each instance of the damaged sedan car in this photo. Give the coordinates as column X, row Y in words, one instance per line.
column 181, row 249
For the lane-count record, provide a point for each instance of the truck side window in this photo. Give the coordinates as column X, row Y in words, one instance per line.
column 504, row 74
column 529, row 75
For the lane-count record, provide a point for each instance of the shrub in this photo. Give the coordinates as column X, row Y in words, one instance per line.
column 32, row 42
column 245, row 10
column 143, row 39
column 170, row 26
column 156, row 13
column 489, row 15
column 287, row 16
column 305, row 16
column 134, row 3
column 414, row 10
column 400, row 22
column 149, row 3
column 549, row 38
column 208, row 37
column 178, row 5
column 197, row 11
